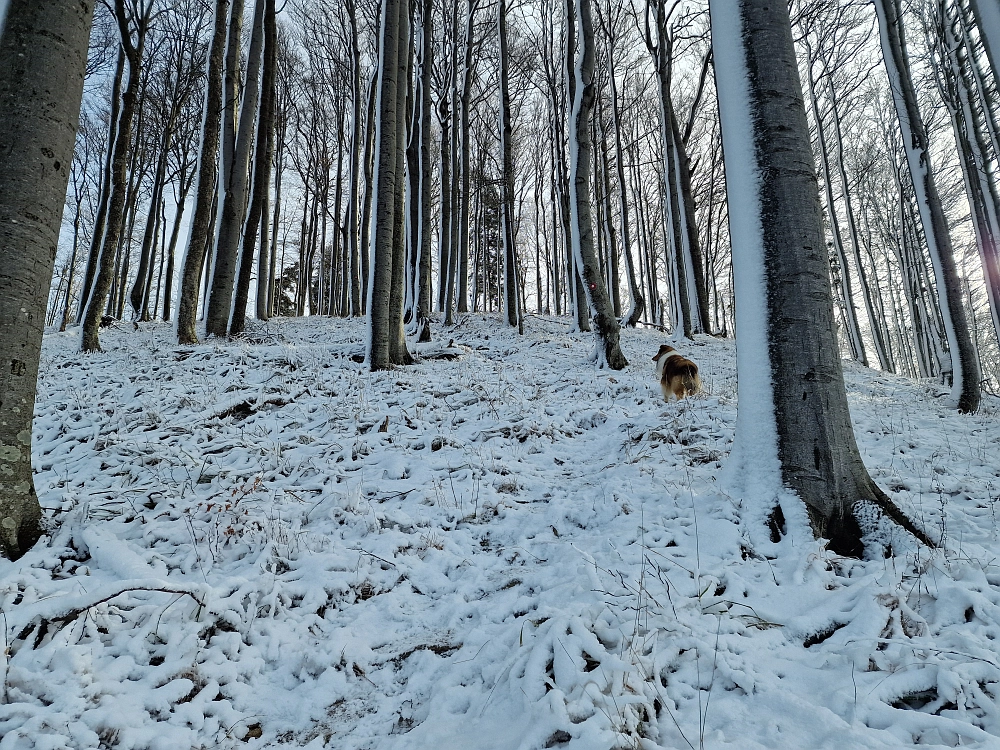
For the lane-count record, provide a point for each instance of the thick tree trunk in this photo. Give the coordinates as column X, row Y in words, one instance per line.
column 384, row 182
column 398, row 353
column 43, row 55
column 581, row 159
column 793, row 424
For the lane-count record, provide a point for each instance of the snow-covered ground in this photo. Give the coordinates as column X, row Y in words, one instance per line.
column 260, row 544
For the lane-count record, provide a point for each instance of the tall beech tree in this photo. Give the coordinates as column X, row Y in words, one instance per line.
column 43, row 53
column 386, row 176
column 965, row 371
column 128, row 15
column 793, row 424
column 607, row 329
column 208, row 170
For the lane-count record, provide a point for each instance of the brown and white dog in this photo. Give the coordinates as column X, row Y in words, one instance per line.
column 678, row 375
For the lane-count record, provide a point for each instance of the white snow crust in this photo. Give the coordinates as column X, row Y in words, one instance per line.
column 259, row 544
column 753, row 471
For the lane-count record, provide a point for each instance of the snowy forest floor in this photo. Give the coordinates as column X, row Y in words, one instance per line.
column 260, row 544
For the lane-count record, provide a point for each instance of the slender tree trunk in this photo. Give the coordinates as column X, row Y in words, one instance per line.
column 423, row 285
column 77, row 216
column 605, row 323
column 40, row 95
column 354, row 188
column 511, row 306
column 964, row 362
column 464, row 163
column 119, row 178
column 637, row 305
column 853, row 330
column 208, row 166
column 185, row 182
column 140, row 286
column 234, row 199
column 957, row 89
column 257, row 217
column 100, row 220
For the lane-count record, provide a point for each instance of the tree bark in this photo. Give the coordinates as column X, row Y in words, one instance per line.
column 257, row 218
column 119, row 175
column 793, row 424
column 208, row 170
column 384, row 182
column 964, row 362
column 43, row 56
column 234, row 199
column 581, row 158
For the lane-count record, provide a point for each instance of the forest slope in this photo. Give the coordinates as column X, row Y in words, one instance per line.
column 261, row 544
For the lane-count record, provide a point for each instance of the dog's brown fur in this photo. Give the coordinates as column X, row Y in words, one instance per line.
column 678, row 375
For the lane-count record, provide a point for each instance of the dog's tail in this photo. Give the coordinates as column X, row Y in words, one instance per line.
column 691, row 382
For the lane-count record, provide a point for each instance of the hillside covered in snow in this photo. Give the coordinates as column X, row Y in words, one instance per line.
column 260, row 544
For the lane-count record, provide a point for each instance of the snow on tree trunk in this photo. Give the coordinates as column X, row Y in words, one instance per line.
column 606, row 326
column 956, row 88
column 964, row 363
column 793, row 425
column 40, row 95
column 987, row 16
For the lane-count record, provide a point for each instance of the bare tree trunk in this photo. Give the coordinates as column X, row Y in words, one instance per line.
column 464, row 163
column 256, row 218
column 100, row 220
column 234, row 199
column 957, row 90
column 185, row 186
column 208, row 169
column 384, row 182
column 423, row 270
column 605, row 322
column 119, row 176
column 40, row 97
column 793, row 424
column 511, row 307
column 398, row 353
column 354, row 188
column 964, row 363
column 853, row 330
